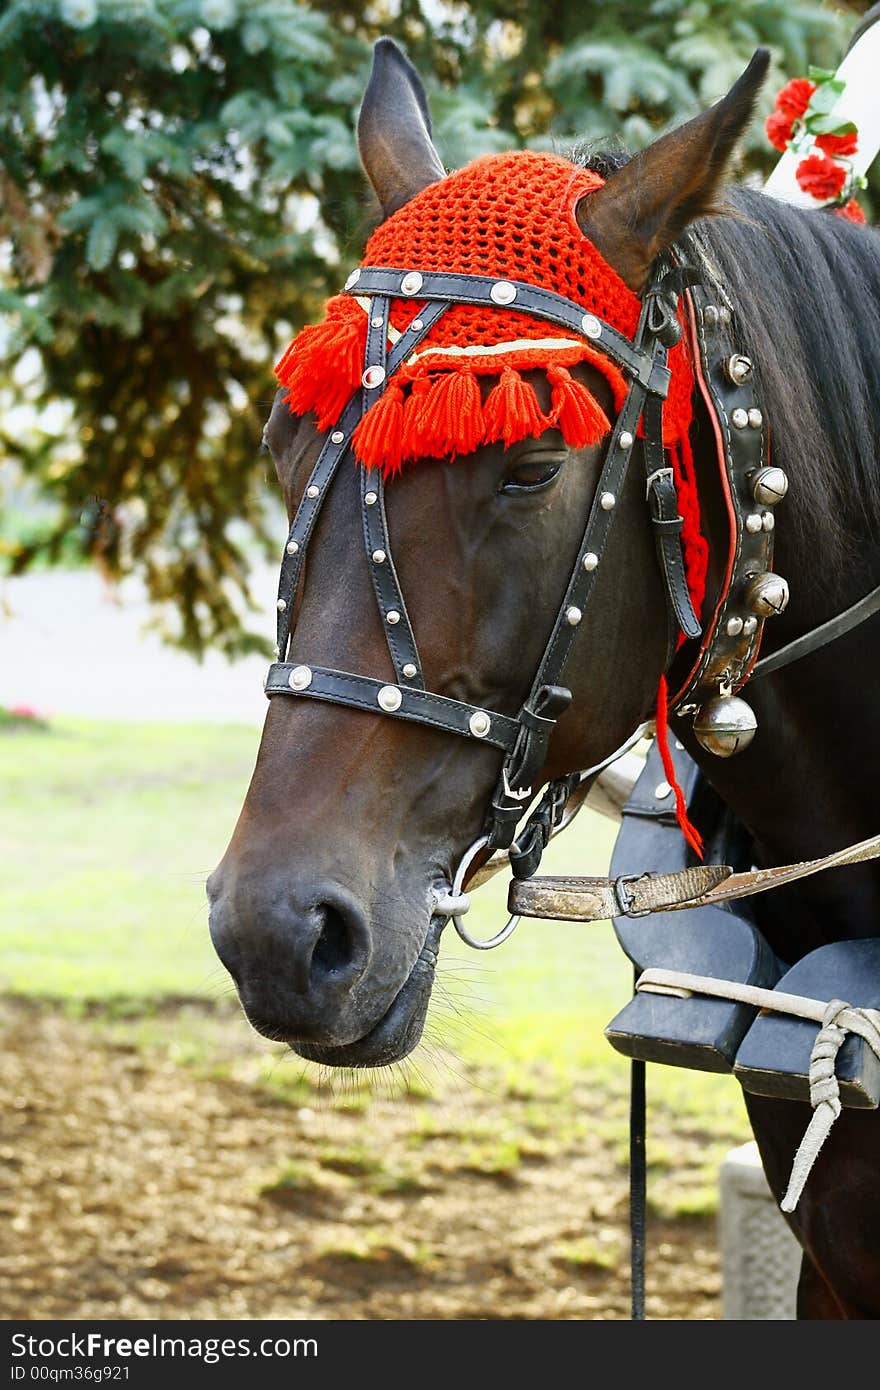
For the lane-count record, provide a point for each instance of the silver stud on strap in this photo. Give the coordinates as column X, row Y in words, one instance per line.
column 753, row 523
column 734, row 627
column 503, row 292
column 768, row 521
column 417, row 325
column 607, row 501
column 590, row 562
column 373, row 377
column 750, row 626
column 337, row 437
column 573, row 616
column 292, row 548
column 389, row 698
column 371, row 498
column 591, row 326
column 281, row 605
column 410, row 670
column 625, row 439
column 312, row 491
column 378, row 557
column 300, row 678
column 353, row 278
column 739, row 418
column 392, row 616
column 411, row 282
column 376, row 321
column 662, row 790
column 479, row 723
column 756, row 419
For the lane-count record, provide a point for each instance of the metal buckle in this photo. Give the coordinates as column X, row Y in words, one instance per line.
column 508, row 789
column 658, row 473
column 624, row 897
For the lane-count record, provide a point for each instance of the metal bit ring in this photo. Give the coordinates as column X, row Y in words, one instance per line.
column 457, row 888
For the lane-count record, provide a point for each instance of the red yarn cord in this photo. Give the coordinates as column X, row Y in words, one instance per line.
column 688, row 829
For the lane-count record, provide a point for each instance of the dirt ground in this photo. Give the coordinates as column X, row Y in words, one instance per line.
column 134, row 1185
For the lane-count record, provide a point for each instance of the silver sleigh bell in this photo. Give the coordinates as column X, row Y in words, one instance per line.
column 725, row 725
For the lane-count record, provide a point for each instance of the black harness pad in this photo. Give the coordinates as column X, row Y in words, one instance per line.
column 774, row 1057
column 768, row 1052
column 720, row 941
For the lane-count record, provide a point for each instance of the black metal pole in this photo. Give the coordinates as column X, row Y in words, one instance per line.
column 637, row 1188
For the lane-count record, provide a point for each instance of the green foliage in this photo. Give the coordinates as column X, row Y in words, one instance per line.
column 179, row 189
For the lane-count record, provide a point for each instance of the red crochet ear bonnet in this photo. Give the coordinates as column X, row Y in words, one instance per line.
column 510, row 216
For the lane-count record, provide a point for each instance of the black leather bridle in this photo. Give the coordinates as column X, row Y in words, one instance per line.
column 523, row 740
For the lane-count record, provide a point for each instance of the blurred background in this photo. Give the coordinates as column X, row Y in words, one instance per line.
column 179, row 192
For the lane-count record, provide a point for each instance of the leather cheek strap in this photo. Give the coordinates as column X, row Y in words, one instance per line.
column 537, row 720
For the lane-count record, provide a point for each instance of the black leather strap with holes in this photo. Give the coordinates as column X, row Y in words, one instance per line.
column 667, row 524
column 595, row 538
column 392, row 609
column 329, row 459
column 335, row 448
column 362, row 692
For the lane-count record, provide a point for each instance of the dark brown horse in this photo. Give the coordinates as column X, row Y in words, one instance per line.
column 323, row 906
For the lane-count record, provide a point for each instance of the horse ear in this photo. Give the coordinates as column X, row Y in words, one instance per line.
column 648, row 202
column 394, row 130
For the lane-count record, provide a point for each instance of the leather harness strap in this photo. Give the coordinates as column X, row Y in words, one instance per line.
column 836, row 627
column 597, row 899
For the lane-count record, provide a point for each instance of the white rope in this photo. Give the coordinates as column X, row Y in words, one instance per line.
column 836, row 1019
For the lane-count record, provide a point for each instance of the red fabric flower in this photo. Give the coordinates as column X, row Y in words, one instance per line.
column 838, row 144
column 819, row 176
column 851, row 212
column 794, row 98
column 778, row 129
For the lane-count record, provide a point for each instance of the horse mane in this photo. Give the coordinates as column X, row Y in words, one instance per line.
column 805, row 288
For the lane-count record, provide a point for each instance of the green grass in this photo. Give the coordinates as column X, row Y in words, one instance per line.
column 107, row 833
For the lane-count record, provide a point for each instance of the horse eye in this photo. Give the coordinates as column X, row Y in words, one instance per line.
column 532, row 474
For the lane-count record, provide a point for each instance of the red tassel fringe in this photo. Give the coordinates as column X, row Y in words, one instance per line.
column 412, row 444
column 443, row 416
column 578, row 414
column 512, row 411
column 688, row 829
column 303, row 367
column 378, row 437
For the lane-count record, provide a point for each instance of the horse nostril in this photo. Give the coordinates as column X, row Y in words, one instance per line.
column 331, row 946
column 335, row 947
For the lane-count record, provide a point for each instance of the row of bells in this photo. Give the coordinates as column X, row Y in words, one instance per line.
column 726, row 724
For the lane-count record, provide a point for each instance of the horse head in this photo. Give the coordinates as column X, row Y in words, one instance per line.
column 324, row 907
